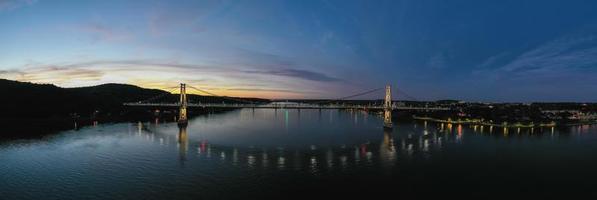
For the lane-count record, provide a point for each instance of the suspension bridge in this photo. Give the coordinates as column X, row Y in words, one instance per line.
column 183, row 104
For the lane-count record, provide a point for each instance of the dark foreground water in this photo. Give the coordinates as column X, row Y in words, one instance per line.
column 307, row 153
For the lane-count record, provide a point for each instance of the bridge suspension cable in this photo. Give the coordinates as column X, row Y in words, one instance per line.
column 360, row 94
column 224, row 97
column 406, row 95
column 168, row 92
column 350, row 96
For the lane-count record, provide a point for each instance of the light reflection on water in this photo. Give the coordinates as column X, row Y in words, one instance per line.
column 252, row 148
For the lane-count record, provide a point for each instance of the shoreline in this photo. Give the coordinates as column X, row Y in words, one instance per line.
column 503, row 125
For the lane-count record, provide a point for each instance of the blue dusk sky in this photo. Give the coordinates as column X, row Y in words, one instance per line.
column 474, row 50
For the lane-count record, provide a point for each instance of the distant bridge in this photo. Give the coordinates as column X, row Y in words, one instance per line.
column 183, row 104
column 286, row 106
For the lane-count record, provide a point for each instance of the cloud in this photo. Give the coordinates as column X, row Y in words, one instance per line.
column 568, row 55
column 9, row 72
column 259, row 59
column 492, row 61
column 160, row 22
column 6, row 5
column 272, row 64
column 267, row 90
column 327, row 37
column 102, row 32
column 564, row 53
column 297, row 73
column 438, row 61
column 165, row 20
column 561, row 69
column 53, row 74
column 149, row 65
column 140, row 65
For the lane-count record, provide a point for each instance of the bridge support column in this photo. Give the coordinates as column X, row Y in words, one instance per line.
column 387, row 109
column 182, row 114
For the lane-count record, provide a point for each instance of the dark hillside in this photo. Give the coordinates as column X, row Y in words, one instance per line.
column 33, row 110
column 30, row 100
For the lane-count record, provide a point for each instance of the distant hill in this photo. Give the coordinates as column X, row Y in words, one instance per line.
column 30, row 100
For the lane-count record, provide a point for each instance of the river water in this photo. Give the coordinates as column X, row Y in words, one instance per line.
column 298, row 153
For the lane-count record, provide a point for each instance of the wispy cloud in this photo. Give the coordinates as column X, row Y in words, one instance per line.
column 297, row 73
column 165, row 19
column 6, row 5
column 558, row 70
column 102, row 32
column 438, row 61
column 492, row 61
column 162, row 22
column 9, row 72
column 566, row 55
column 53, row 74
column 267, row 90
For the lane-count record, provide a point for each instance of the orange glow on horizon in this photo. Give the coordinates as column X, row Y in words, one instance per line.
column 231, row 90
column 263, row 94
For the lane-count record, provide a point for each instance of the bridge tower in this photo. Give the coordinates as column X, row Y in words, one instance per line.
column 182, row 114
column 387, row 108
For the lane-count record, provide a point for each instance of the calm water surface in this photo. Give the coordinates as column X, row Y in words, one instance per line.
column 280, row 153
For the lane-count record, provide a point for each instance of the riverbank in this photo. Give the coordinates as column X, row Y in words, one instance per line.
column 503, row 125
